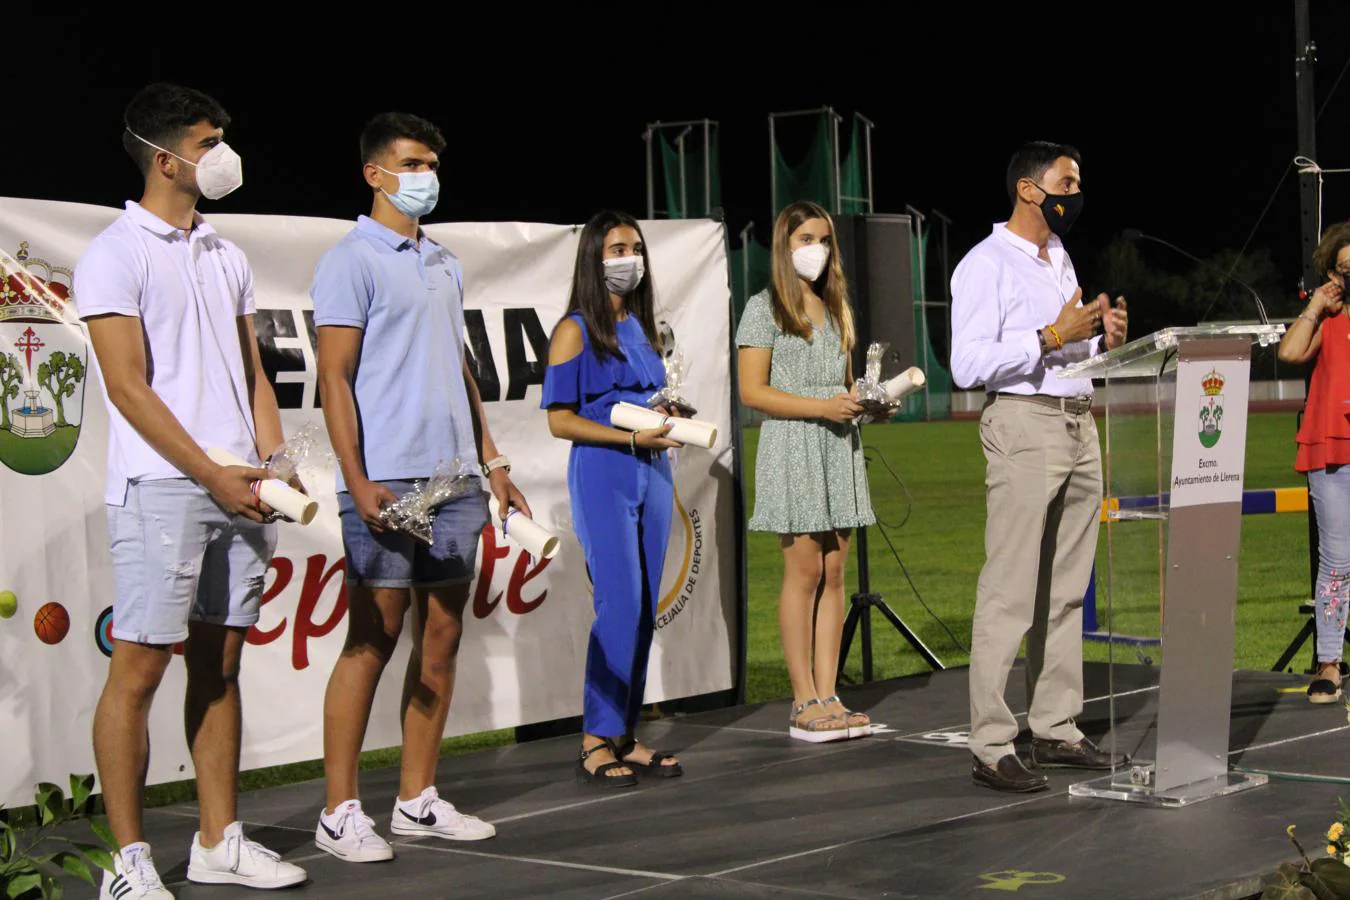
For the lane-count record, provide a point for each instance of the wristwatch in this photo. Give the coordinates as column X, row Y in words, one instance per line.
column 1045, row 345
column 497, row 462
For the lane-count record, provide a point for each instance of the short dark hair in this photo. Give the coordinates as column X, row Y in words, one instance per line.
column 386, row 128
column 1033, row 159
column 161, row 113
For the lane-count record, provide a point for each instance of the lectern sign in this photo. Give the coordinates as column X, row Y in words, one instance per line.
column 1211, row 432
column 1184, row 445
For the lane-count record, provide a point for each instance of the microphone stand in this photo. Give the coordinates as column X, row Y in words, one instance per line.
column 1134, row 234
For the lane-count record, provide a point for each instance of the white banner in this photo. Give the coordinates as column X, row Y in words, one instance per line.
column 1210, row 436
column 527, row 622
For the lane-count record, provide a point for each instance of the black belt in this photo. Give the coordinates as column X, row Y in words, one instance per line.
column 1074, row 406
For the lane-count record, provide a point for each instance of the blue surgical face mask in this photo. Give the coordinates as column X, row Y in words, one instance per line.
column 417, row 192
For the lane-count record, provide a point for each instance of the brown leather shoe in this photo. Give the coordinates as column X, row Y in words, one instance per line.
column 1063, row 755
column 1009, row 775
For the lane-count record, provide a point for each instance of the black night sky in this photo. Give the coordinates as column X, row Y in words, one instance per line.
column 1184, row 113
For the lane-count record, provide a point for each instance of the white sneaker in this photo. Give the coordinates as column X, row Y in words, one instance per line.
column 350, row 834
column 237, row 860
column 429, row 815
column 136, row 878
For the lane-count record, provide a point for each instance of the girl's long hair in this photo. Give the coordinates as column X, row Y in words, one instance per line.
column 785, row 289
column 590, row 296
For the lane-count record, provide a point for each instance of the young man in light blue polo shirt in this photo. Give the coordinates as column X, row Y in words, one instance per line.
column 398, row 399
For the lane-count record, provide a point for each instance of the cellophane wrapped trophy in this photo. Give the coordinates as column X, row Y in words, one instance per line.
column 306, row 448
column 412, row 513
column 871, row 395
column 672, row 395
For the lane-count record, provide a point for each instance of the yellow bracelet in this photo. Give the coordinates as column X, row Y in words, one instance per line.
column 1059, row 341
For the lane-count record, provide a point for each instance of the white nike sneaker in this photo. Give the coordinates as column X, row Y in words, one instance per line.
column 349, row 834
column 237, row 860
column 431, row 816
column 135, row 879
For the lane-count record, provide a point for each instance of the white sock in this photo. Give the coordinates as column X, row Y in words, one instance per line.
column 131, row 852
column 338, row 810
column 412, row 804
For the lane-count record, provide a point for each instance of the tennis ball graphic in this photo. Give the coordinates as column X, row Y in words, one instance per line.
column 8, row 604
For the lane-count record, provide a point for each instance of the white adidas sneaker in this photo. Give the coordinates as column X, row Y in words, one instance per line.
column 428, row 815
column 237, row 860
column 135, row 878
column 349, row 834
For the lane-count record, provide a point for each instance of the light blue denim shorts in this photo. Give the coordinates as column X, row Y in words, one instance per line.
column 178, row 557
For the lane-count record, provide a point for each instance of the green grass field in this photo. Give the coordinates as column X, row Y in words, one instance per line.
column 941, row 544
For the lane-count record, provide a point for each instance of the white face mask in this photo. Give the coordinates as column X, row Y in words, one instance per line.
column 809, row 261
column 220, row 171
column 623, row 273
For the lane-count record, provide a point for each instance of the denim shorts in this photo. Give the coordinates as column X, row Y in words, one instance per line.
column 178, row 557
column 396, row 560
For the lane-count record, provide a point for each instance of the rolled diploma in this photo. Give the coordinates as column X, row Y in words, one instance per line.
column 686, row 431
column 533, row 538
column 904, row 384
column 275, row 493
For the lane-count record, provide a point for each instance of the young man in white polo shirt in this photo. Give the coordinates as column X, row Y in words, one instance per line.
column 1017, row 319
column 398, row 398
column 169, row 306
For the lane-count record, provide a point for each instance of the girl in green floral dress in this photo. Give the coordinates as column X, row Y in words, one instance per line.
column 795, row 339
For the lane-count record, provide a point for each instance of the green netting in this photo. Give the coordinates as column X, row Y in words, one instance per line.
column 692, row 201
column 749, row 274
column 813, row 178
column 936, row 401
column 851, row 186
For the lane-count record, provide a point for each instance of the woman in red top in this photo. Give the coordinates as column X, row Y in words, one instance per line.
column 1322, row 332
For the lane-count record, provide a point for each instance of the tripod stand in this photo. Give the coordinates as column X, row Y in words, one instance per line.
column 861, row 611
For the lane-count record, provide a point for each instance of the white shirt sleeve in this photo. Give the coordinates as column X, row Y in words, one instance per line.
column 981, row 352
column 247, row 304
column 108, row 280
column 1078, row 351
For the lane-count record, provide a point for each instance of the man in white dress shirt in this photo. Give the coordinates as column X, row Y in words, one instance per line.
column 1017, row 319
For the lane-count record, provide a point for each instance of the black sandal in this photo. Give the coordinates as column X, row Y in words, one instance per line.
column 599, row 776
column 1324, row 690
column 655, row 767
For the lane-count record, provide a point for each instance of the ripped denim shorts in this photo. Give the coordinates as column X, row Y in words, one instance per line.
column 178, row 557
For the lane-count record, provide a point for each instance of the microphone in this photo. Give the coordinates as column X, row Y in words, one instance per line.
column 1134, row 234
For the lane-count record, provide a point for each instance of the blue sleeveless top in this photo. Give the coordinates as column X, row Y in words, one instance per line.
column 595, row 385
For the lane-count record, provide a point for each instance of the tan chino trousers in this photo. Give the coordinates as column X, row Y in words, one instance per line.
column 1043, row 489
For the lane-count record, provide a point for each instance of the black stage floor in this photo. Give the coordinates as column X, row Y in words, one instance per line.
column 893, row 815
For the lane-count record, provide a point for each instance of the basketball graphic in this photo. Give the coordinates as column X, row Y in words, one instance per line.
column 51, row 623
column 103, row 632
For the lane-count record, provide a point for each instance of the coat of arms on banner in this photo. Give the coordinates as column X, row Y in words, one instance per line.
column 43, row 363
column 1211, row 409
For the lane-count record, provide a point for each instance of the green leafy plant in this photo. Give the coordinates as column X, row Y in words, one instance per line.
column 1327, row 878
column 27, row 875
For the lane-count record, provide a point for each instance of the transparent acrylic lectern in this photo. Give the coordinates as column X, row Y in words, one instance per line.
column 1172, row 465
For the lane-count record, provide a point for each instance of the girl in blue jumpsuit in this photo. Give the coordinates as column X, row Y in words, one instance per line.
column 604, row 351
